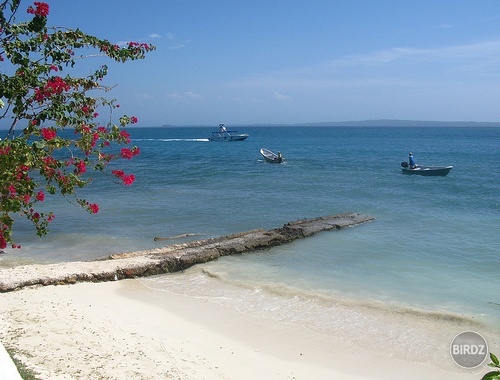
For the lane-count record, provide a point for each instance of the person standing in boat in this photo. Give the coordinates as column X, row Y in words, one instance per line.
column 280, row 158
column 411, row 161
column 222, row 128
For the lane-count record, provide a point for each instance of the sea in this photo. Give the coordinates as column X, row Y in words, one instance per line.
column 426, row 269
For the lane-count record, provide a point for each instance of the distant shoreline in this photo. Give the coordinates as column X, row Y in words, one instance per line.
column 352, row 123
column 362, row 123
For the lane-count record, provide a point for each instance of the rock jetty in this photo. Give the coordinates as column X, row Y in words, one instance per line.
column 170, row 258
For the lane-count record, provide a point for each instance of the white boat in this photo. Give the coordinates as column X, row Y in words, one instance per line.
column 224, row 135
column 271, row 156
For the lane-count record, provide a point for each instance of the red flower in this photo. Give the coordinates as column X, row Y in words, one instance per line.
column 39, row 95
column 127, row 153
column 128, row 180
column 42, row 9
column 40, row 196
column 48, row 133
column 94, row 208
column 133, row 120
column 57, row 85
column 125, row 136
column 118, row 173
column 80, row 167
column 5, row 150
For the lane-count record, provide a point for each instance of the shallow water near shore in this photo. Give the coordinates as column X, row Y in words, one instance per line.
column 433, row 248
column 402, row 332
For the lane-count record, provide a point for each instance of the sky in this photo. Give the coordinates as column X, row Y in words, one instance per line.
column 291, row 62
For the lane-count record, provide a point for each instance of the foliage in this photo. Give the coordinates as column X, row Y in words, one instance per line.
column 493, row 375
column 52, row 136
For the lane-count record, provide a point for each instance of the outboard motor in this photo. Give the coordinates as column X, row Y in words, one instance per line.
column 404, row 164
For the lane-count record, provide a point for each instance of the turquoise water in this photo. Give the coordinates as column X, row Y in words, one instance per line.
column 433, row 247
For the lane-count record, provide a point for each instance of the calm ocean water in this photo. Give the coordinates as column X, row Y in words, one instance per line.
column 433, row 248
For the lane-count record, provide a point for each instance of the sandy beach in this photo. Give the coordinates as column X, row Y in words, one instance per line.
column 123, row 330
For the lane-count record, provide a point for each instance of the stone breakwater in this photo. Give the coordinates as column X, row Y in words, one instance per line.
column 171, row 258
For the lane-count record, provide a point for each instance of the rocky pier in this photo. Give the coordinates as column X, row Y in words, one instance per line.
column 170, row 258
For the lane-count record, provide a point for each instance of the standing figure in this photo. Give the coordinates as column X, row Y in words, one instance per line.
column 411, row 161
column 280, row 157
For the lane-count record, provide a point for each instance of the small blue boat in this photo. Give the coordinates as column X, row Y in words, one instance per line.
column 425, row 170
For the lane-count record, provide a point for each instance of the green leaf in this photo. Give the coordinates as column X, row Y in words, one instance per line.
column 494, row 359
column 39, row 145
column 493, row 375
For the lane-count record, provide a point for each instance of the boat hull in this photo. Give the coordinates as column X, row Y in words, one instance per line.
column 428, row 170
column 271, row 157
column 216, row 136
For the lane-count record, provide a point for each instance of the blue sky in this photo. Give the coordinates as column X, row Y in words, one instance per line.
column 276, row 61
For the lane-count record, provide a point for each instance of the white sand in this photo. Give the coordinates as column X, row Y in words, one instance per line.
column 123, row 330
column 8, row 370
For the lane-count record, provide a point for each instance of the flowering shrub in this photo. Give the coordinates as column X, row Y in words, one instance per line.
column 39, row 105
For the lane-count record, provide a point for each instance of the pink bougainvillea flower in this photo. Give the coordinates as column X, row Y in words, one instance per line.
column 54, row 86
column 48, row 133
column 39, row 95
column 94, row 208
column 118, row 173
column 128, row 180
column 5, row 150
column 125, row 136
column 40, row 196
column 127, row 153
column 42, row 9
column 80, row 167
